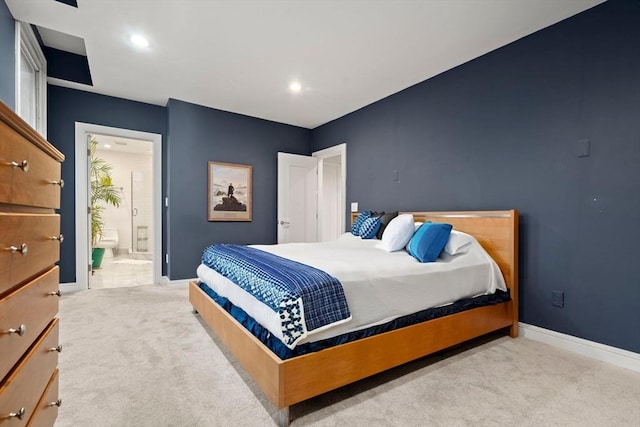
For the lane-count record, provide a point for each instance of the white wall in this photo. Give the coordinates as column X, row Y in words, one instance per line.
column 123, row 165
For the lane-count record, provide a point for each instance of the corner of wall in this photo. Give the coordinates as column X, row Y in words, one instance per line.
column 7, row 61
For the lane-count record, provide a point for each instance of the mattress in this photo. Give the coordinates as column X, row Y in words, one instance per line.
column 379, row 286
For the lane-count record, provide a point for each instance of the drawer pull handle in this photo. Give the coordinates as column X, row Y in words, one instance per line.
column 57, row 403
column 58, row 349
column 58, row 293
column 60, row 238
column 60, row 183
column 23, row 249
column 19, row 415
column 21, row 330
column 24, row 165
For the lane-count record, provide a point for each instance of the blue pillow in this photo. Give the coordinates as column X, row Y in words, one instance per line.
column 355, row 227
column 370, row 227
column 428, row 241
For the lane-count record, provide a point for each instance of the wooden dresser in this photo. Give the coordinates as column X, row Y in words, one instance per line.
column 30, row 239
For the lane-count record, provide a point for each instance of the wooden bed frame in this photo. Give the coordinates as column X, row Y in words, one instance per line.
column 286, row 382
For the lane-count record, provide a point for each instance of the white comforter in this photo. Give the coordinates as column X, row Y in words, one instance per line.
column 379, row 286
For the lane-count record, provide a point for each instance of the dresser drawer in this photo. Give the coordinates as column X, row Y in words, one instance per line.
column 46, row 411
column 34, row 306
column 22, row 389
column 41, row 235
column 28, row 176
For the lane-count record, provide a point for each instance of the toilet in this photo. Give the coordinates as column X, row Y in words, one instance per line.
column 108, row 240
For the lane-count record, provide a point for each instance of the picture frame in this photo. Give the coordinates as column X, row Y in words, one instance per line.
column 229, row 191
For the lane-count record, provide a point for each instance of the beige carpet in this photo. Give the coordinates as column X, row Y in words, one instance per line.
column 140, row 357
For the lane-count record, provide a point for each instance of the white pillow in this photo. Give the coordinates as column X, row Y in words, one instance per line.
column 398, row 233
column 458, row 243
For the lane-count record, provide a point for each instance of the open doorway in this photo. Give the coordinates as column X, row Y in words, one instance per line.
column 134, row 230
column 332, row 191
column 122, row 253
column 312, row 195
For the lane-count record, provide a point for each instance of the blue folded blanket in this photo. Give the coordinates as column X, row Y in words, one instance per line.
column 304, row 297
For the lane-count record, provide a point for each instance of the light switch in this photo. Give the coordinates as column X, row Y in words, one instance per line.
column 583, row 148
column 354, row 206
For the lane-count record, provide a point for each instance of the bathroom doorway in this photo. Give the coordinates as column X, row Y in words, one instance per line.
column 126, row 241
column 83, row 253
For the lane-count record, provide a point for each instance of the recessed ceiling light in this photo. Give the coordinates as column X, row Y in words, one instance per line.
column 295, row 87
column 139, row 40
column 107, row 146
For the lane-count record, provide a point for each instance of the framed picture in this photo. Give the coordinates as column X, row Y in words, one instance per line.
column 229, row 192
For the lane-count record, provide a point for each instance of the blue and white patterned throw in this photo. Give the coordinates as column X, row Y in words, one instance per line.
column 304, row 297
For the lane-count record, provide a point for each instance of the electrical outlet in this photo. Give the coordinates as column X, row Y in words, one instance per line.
column 557, row 298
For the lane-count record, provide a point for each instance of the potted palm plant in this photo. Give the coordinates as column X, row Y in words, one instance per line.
column 103, row 193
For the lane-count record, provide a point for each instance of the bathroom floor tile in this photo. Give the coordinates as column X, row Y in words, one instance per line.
column 122, row 271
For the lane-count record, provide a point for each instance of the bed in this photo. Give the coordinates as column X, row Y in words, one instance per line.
column 292, row 380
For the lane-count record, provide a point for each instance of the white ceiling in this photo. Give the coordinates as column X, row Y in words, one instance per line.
column 240, row 56
column 121, row 144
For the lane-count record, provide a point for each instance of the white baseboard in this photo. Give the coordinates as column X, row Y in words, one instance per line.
column 183, row 283
column 69, row 287
column 615, row 356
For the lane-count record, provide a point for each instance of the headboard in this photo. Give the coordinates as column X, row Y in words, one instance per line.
column 497, row 232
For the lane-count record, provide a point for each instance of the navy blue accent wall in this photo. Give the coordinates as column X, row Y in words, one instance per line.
column 8, row 57
column 503, row 132
column 67, row 66
column 65, row 108
column 198, row 134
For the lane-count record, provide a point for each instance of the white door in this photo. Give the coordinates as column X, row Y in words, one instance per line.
column 297, row 198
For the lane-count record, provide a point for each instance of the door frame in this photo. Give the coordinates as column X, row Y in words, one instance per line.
column 336, row 150
column 83, row 257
